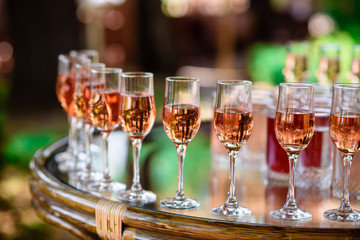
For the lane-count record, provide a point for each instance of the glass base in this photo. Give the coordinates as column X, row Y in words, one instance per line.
column 104, row 188
column 185, row 203
column 226, row 210
column 291, row 214
column 72, row 166
column 336, row 215
column 141, row 196
column 95, row 149
column 83, row 179
column 63, row 156
column 92, row 176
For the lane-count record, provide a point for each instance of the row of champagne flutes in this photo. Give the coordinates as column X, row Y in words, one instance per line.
column 127, row 99
column 93, row 93
column 294, row 128
column 105, row 98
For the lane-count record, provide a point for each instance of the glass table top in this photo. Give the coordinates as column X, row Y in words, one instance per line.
column 206, row 177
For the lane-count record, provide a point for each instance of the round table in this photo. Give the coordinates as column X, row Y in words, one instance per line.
column 61, row 203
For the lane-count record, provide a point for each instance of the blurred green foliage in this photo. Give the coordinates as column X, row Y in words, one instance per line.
column 266, row 62
column 164, row 164
column 345, row 14
column 21, row 147
column 4, row 91
column 34, row 232
column 345, row 42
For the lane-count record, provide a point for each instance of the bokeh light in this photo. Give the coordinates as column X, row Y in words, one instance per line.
column 101, row 3
column 6, row 57
column 301, row 10
column 175, row 8
column 320, row 24
column 114, row 55
column 85, row 13
column 211, row 8
column 114, row 20
column 6, row 51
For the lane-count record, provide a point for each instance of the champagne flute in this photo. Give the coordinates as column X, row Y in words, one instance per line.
column 329, row 64
column 82, row 92
column 233, row 123
column 181, row 119
column 345, row 132
column 137, row 116
column 104, row 115
column 64, row 92
column 294, row 128
column 82, row 56
column 295, row 69
column 354, row 74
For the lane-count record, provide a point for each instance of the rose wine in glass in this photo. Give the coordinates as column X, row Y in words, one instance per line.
column 294, row 128
column 137, row 117
column 233, row 123
column 345, row 132
column 104, row 115
column 181, row 120
column 64, row 92
column 82, row 94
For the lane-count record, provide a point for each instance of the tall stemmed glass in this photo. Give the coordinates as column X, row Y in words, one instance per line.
column 137, row 115
column 92, row 56
column 233, row 123
column 104, row 114
column 294, row 128
column 82, row 92
column 64, row 92
column 181, row 119
column 345, row 132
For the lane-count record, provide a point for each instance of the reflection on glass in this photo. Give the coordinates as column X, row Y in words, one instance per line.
column 295, row 69
column 329, row 65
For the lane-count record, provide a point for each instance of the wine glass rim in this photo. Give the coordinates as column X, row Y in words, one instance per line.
column 234, row 82
column 98, row 65
column 347, row 85
column 137, row 74
column 64, row 57
column 106, row 70
column 182, row 79
column 88, row 51
column 297, row 85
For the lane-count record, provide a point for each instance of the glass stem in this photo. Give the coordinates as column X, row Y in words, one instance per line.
column 80, row 143
column 181, row 151
column 87, row 147
column 72, row 135
column 290, row 199
column 231, row 199
column 345, row 203
column 136, row 146
column 106, row 177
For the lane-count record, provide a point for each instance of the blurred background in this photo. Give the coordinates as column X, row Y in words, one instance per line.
column 211, row 39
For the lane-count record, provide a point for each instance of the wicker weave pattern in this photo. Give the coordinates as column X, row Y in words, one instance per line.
column 108, row 215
